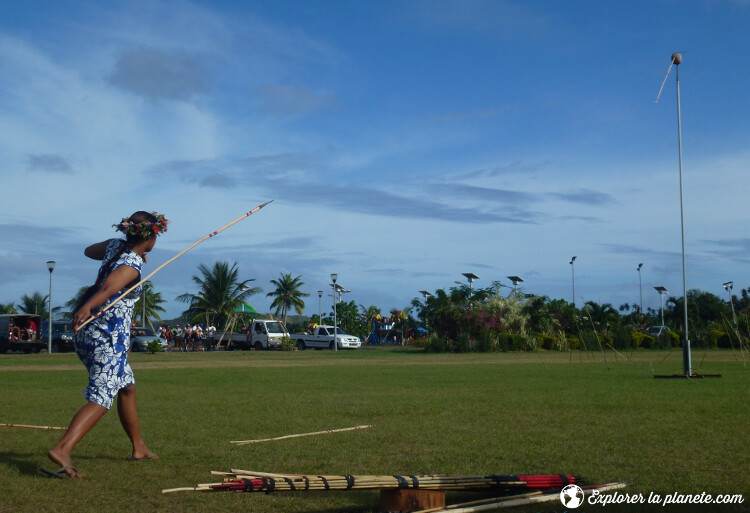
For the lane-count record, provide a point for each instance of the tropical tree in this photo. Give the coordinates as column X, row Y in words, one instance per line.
column 35, row 304
column 9, row 308
column 349, row 319
column 220, row 294
column 150, row 303
column 370, row 316
column 603, row 316
column 287, row 295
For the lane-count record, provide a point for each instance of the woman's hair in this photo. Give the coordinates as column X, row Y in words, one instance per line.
column 142, row 226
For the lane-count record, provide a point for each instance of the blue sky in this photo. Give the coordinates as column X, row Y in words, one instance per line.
column 404, row 143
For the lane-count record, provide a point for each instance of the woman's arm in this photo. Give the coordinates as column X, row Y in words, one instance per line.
column 115, row 282
column 96, row 251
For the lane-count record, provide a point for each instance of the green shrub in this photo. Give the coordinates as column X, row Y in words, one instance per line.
column 435, row 344
column 545, row 341
column 641, row 340
column 573, row 342
column 511, row 342
column 719, row 338
column 287, row 344
column 154, row 346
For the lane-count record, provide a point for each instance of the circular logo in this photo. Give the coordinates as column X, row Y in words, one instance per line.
column 571, row 496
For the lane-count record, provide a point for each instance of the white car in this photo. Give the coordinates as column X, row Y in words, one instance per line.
column 323, row 338
column 142, row 337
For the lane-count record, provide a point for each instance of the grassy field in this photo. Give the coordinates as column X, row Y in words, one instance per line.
column 434, row 413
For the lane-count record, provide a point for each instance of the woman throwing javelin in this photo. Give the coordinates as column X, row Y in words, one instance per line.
column 103, row 344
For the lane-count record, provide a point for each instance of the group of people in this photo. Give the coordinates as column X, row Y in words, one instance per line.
column 18, row 333
column 189, row 338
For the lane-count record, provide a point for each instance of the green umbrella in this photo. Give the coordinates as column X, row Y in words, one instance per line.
column 245, row 308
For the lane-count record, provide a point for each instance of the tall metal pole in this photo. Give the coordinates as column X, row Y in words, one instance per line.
column 640, row 286
column 334, row 277
column 661, row 303
column 573, row 273
column 686, row 362
column 320, row 311
column 50, row 267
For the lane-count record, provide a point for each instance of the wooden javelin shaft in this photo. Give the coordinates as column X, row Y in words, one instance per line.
column 131, row 289
column 33, row 427
column 245, row 442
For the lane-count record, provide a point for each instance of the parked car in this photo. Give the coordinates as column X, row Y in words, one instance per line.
column 323, row 337
column 62, row 336
column 18, row 333
column 656, row 331
column 142, row 337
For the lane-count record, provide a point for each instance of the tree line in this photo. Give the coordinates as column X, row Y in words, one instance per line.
column 457, row 319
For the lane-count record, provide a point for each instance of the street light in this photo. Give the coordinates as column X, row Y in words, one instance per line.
column 320, row 311
column 516, row 280
column 728, row 287
column 334, row 277
column 676, row 60
column 425, row 294
column 661, row 290
column 50, row 267
column 471, row 277
column 573, row 272
column 640, row 285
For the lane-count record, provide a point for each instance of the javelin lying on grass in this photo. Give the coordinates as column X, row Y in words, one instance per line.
column 113, row 303
column 33, row 427
column 245, row 442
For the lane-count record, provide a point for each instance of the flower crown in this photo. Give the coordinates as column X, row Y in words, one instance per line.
column 143, row 229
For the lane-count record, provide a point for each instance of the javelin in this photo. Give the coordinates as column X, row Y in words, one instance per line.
column 178, row 255
column 33, row 427
column 245, row 442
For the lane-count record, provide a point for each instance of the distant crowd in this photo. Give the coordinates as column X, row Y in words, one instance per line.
column 190, row 338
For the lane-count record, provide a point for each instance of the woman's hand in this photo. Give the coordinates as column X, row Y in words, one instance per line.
column 81, row 315
column 115, row 282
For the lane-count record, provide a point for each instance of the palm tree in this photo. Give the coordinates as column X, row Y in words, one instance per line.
column 151, row 301
column 9, row 308
column 220, row 294
column 35, row 304
column 287, row 295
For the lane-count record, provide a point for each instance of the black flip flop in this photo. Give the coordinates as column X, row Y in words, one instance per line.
column 59, row 473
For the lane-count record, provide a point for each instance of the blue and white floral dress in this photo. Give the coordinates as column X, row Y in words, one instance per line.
column 103, row 344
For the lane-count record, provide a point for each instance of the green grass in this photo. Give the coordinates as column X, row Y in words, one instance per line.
column 434, row 413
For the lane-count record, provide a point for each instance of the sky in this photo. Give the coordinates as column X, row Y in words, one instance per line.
column 403, row 143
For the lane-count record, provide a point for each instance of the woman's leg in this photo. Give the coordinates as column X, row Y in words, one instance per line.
column 128, row 412
column 82, row 422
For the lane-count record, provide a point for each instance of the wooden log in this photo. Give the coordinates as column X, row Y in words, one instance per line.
column 407, row 500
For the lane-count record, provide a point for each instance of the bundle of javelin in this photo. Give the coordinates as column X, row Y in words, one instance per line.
column 252, row 481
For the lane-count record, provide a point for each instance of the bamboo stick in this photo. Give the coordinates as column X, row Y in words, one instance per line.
column 245, row 442
column 479, row 502
column 113, row 303
column 33, row 427
column 518, row 501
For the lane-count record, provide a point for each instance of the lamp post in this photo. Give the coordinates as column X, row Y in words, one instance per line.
column 640, row 286
column 425, row 294
column 728, row 287
column 516, row 280
column 50, row 267
column 334, row 277
column 573, row 273
column 471, row 277
column 661, row 290
column 676, row 60
column 320, row 311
